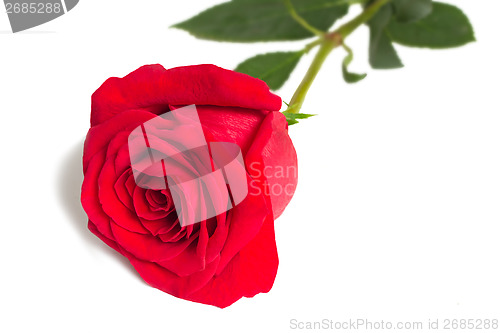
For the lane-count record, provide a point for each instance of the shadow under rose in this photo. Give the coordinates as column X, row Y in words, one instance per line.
column 69, row 186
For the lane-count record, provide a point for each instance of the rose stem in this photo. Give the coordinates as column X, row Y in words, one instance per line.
column 329, row 42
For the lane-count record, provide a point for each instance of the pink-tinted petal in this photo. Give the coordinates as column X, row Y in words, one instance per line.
column 272, row 159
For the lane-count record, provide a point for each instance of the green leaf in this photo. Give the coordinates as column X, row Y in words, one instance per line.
column 263, row 20
column 411, row 10
column 272, row 68
column 447, row 26
column 383, row 55
column 291, row 118
column 348, row 76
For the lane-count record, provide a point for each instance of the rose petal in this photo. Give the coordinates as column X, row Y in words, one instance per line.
column 152, row 85
column 273, row 150
column 252, row 271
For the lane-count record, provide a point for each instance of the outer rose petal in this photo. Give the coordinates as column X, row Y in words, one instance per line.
column 99, row 137
column 161, row 278
column 252, row 271
column 151, row 87
column 111, row 243
column 247, row 219
column 273, row 149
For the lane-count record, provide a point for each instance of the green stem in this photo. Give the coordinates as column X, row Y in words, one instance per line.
column 362, row 18
column 300, row 20
column 312, row 45
column 329, row 42
column 300, row 94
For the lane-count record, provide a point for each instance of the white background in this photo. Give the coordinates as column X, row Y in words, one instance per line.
column 396, row 216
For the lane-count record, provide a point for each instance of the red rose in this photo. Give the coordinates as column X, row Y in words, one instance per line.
column 220, row 259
